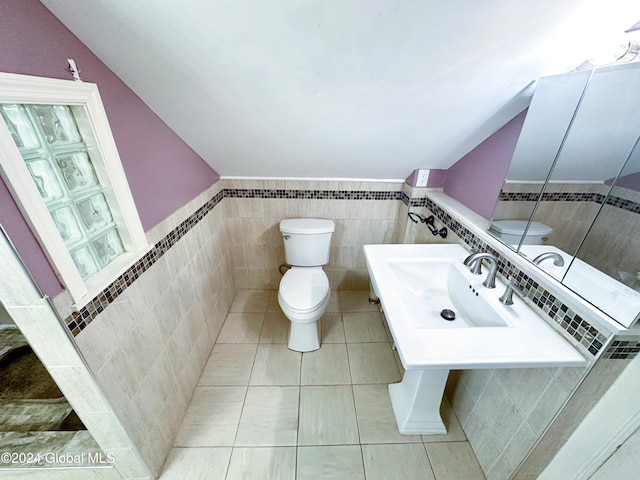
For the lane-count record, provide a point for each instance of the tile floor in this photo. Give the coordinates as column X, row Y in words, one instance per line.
column 261, row 411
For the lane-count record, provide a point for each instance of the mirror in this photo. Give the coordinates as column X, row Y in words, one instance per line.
column 579, row 133
column 611, row 248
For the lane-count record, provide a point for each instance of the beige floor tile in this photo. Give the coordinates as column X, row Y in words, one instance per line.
column 376, row 420
column 196, row 463
column 275, row 328
column 262, row 463
column 364, row 327
column 275, row 364
column 372, row 363
column 327, row 366
column 397, row 462
column 332, row 328
column 327, row 416
column 318, row 415
column 241, row 328
column 453, row 461
column 356, row 301
column 212, row 417
column 330, row 462
column 250, row 301
column 229, row 364
column 269, row 417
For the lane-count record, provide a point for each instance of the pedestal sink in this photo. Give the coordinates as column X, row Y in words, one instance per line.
column 416, row 284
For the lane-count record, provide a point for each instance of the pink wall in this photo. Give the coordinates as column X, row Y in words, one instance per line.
column 163, row 172
column 476, row 179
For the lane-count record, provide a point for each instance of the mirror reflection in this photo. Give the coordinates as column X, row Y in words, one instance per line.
column 611, row 247
column 579, row 133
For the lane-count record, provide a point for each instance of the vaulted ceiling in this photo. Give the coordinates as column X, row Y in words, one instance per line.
column 337, row 89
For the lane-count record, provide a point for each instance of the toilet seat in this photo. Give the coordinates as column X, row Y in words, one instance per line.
column 304, row 289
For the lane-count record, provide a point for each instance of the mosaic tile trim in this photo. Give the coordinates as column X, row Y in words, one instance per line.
column 570, row 321
column 623, row 349
column 583, row 332
column 77, row 321
column 623, row 203
column 312, row 194
column 618, row 202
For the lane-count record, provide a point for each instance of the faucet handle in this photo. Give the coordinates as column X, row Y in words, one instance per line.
column 512, row 287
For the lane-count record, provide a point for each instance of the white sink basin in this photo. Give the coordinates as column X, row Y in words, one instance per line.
column 415, row 283
column 429, row 287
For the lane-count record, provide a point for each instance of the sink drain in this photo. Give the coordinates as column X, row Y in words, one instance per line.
column 448, row 314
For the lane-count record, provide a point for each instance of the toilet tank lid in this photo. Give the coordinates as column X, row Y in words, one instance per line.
column 517, row 227
column 306, row 226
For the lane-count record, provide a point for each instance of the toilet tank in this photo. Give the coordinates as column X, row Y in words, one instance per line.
column 511, row 231
column 306, row 241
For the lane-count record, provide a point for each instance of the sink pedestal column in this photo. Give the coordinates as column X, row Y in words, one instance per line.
column 416, row 401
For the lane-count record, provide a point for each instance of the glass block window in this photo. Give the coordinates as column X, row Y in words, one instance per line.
column 61, row 164
column 63, row 171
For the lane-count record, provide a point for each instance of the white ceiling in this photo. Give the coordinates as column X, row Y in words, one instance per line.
column 337, row 89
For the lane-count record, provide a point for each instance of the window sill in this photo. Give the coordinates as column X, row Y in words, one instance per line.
column 105, row 277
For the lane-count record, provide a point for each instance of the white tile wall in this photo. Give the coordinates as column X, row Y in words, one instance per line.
column 257, row 249
column 504, row 412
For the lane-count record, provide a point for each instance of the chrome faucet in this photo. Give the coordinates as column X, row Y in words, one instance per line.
column 558, row 261
column 474, row 262
column 507, row 296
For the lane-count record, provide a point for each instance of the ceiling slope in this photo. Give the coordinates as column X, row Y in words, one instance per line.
column 350, row 89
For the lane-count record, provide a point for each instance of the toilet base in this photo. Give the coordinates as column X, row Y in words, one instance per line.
column 304, row 337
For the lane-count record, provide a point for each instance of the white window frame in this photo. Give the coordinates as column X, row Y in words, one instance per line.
column 87, row 106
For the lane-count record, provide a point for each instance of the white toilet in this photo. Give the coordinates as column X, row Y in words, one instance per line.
column 511, row 231
column 304, row 293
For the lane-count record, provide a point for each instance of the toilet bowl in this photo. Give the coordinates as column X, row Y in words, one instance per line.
column 303, row 296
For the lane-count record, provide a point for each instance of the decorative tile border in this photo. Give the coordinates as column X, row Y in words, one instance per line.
column 312, row 194
column 570, row 321
column 623, row 349
column 618, row 202
column 79, row 320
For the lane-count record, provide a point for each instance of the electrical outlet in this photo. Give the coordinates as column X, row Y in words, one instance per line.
column 423, row 178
